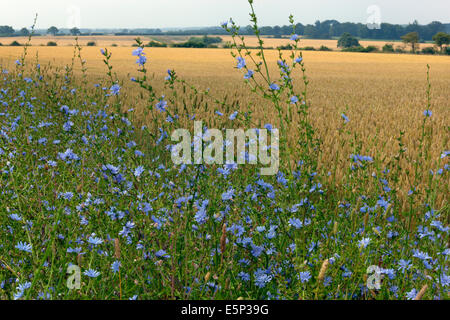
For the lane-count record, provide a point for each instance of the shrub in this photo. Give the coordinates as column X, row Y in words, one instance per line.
column 285, row 47
column 91, row 44
column 428, row 50
column 308, row 48
column 114, row 45
column 52, row 44
column 447, row 50
column 198, row 42
column 348, row 41
column 324, row 48
column 354, row 49
column 156, row 44
column 388, row 47
column 15, row 44
column 371, row 49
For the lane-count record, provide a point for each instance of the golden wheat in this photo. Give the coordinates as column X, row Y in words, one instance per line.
column 382, row 94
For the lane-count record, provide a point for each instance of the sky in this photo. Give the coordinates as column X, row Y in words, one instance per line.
column 199, row 13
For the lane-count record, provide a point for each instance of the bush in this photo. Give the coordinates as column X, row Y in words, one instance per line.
column 199, row 42
column 428, row 50
column 447, row 51
column 324, row 48
column 156, row 44
column 114, row 45
column 348, row 41
column 388, row 47
column 285, row 47
column 309, row 48
column 91, row 44
column 371, row 49
column 399, row 50
column 361, row 49
column 15, row 44
column 355, row 49
column 52, row 44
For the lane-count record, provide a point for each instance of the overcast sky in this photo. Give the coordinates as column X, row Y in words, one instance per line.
column 193, row 13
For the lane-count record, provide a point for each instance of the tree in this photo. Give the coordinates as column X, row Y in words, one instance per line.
column 347, row 41
column 6, row 30
column 413, row 39
column 24, row 32
column 53, row 30
column 75, row 31
column 388, row 47
column 441, row 39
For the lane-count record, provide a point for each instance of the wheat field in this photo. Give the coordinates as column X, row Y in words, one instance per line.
column 382, row 94
column 87, row 183
column 127, row 41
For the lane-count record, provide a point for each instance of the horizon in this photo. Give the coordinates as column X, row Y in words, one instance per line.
column 189, row 15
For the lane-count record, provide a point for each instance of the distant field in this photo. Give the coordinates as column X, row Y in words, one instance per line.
column 385, row 92
column 126, row 41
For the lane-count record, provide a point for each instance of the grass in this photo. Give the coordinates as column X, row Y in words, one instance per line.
column 87, row 180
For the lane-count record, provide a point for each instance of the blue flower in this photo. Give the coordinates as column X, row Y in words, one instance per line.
column 294, row 37
column 161, row 105
column 115, row 266
column 249, row 74
column 240, row 63
column 115, row 89
column 427, row 113
column 445, row 280
column 262, row 278
column 15, row 217
column 162, row 254
column 305, row 276
column 67, row 125
column 274, row 87
column 138, row 171
column 228, row 195
column 412, row 294
column 95, row 241
column 294, row 99
column 141, row 60
column 363, row 243
column 21, row 289
column 296, row 223
column 233, row 115
column 23, row 246
column 421, row 255
column 91, row 273
column 138, row 52
column 244, row 276
column 346, row 119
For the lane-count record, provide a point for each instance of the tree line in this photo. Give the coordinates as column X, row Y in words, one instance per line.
column 327, row 29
